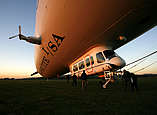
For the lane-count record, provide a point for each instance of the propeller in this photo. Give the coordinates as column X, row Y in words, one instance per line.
column 18, row 34
column 19, row 29
column 13, row 37
column 30, row 39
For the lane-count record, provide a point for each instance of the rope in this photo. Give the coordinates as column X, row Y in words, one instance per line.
column 136, row 64
column 146, row 67
column 142, row 58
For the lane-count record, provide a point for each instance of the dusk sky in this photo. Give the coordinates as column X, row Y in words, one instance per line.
column 17, row 57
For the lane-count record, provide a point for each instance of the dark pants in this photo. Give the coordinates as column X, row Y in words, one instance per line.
column 126, row 84
column 74, row 83
column 134, row 86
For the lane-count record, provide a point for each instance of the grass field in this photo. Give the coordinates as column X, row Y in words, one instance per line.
column 56, row 97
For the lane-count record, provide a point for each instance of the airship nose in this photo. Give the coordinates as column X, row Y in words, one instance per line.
column 117, row 62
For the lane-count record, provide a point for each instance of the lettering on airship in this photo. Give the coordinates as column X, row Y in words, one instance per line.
column 44, row 63
column 45, row 51
column 52, row 47
column 53, row 44
column 58, row 39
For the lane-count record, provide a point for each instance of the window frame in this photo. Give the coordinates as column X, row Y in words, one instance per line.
column 92, row 60
column 101, row 57
column 74, row 66
column 82, row 61
column 110, row 54
column 89, row 64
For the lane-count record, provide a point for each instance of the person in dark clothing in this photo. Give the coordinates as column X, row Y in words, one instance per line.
column 67, row 77
column 74, row 77
column 133, row 82
column 100, row 85
column 126, row 78
column 84, row 79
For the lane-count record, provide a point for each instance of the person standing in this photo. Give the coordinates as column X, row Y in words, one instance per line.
column 127, row 80
column 134, row 85
column 74, row 77
column 84, row 79
column 67, row 77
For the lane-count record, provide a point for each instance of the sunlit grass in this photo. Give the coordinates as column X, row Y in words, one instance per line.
column 34, row 97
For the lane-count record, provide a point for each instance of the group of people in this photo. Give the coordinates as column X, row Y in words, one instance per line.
column 130, row 79
column 84, row 81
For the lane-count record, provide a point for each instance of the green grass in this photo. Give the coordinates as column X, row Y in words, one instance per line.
column 56, row 97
